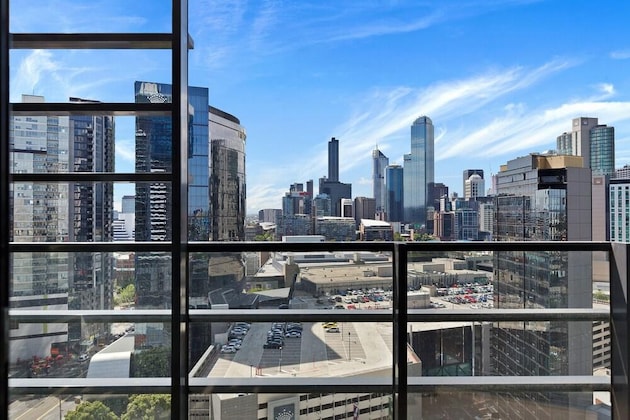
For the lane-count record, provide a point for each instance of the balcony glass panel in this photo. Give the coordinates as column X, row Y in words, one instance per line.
column 512, row 405
column 107, row 407
column 93, row 350
column 291, row 349
column 299, row 405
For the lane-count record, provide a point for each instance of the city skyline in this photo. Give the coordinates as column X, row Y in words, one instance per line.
column 351, row 72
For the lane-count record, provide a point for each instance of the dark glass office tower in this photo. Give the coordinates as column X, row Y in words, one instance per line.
column 380, row 162
column 395, row 193
column 154, row 153
column 91, row 213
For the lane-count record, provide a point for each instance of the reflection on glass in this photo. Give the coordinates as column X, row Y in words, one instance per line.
column 289, row 406
column 294, row 349
column 79, row 407
column 91, row 350
column 532, row 405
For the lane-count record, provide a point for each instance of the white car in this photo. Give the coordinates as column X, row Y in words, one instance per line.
column 228, row 349
column 84, row 357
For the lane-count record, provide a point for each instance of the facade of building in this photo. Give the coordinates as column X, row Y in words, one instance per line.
column 60, row 212
column 467, row 174
column 269, row 215
column 474, row 187
column 322, row 206
column 333, row 160
column 394, row 185
column 227, row 177
column 375, row 230
column 594, row 142
column 619, row 213
column 542, row 198
column 347, row 207
column 418, row 175
column 379, row 164
column 154, row 153
column 128, row 204
column 364, row 208
column 337, row 229
column 623, row 172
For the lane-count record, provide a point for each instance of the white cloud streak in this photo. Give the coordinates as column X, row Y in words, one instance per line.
column 620, row 55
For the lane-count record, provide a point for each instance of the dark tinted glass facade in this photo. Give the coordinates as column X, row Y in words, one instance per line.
column 395, row 191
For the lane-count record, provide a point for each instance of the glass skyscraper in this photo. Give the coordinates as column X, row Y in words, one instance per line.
column 380, row 162
column 395, row 193
column 602, row 150
column 594, row 142
column 154, row 153
column 419, row 172
column 60, row 212
column 227, row 177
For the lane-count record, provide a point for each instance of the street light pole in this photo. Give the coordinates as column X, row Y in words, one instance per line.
column 349, row 355
column 280, row 361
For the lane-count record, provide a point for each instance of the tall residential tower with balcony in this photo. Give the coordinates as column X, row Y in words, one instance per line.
column 542, row 198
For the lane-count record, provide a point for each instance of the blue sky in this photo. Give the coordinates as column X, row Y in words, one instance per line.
column 499, row 78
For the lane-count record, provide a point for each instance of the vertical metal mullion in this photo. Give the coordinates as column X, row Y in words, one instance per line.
column 620, row 364
column 4, row 206
column 400, row 331
column 179, row 206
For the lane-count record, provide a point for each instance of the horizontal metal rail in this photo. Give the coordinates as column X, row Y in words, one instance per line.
column 302, row 315
column 114, row 386
column 239, row 247
column 119, row 246
column 91, row 41
column 101, row 177
column 118, row 109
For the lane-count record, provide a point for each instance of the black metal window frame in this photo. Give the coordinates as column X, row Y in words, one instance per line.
column 180, row 385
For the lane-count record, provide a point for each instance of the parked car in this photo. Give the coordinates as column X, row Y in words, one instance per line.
column 333, row 330
column 84, row 357
column 228, row 349
column 272, row 345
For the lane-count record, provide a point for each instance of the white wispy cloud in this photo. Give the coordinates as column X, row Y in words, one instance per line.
column 606, row 89
column 30, row 72
column 126, row 150
column 620, row 54
column 388, row 114
column 384, row 116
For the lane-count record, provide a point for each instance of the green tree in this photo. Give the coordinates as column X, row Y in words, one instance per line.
column 91, row 410
column 266, row 236
column 126, row 295
column 423, row 237
column 148, row 407
column 152, row 363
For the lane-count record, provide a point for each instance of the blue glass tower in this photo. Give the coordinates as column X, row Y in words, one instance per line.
column 419, row 172
column 154, row 153
column 395, row 193
column 378, row 179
